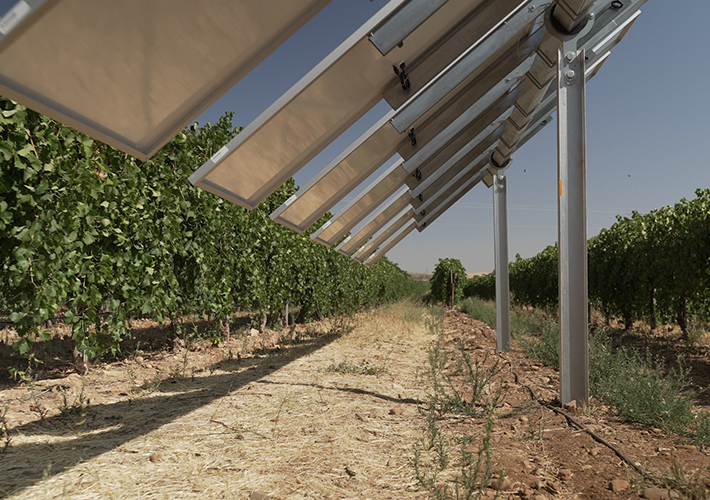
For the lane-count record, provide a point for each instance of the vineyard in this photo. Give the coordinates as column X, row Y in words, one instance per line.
column 94, row 237
column 408, row 398
column 652, row 267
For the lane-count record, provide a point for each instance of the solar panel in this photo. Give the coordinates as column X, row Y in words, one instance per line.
column 437, row 182
column 396, row 238
column 449, row 201
column 383, row 235
column 362, row 205
column 598, row 42
column 373, row 223
column 541, row 119
column 611, row 19
column 133, row 73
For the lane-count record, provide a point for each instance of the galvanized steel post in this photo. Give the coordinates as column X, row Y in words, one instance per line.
column 500, row 229
column 572, row 209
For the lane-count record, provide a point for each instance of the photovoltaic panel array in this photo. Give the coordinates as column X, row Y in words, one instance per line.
column 472, row 82
column 468, row 83
column 342, row 88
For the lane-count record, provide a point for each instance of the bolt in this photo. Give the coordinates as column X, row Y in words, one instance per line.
column 570, row 75
column 532, row 8
column 569, row 56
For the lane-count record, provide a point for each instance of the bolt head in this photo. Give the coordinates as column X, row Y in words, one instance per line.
column 569, row 56
column 570, row 75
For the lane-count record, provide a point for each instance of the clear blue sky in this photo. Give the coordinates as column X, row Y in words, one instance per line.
column 647, row 132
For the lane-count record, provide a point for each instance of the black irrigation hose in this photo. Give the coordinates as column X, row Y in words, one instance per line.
column 572, row 421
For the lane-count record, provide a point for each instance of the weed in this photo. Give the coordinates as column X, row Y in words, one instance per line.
column 476, row 467
column 474, row 475
column 702, row 429
column 154, row 384
column 536, row 431
column 412, row 312
column 180, row 370
column 481, row 310
column 521, row 322
column 435, row 319
column 468, row 389
column 435, row 439
column 5, row 437
column 77, row 406
column 36, row 405
column 690, row 486
column 543, row 346
column 637, row 387
column 364, row 367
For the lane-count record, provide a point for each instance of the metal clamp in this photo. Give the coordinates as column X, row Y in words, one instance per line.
column 412, row 136
column 403, row 76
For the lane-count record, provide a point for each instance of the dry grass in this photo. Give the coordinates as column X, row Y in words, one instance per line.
column 279, row 424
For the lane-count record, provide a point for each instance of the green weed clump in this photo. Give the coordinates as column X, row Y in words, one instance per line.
column 638, row 387
column 702, row 429
column 480, row 310
column 542, row 343
column 362, row 368
column 521, row 322
column 459, row 384
column 474, row 472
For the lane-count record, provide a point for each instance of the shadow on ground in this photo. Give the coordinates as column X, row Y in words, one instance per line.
column 55, row 354
column 107, row 426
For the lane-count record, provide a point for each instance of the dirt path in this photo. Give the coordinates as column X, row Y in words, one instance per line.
column 295, row 423
column 329, row 411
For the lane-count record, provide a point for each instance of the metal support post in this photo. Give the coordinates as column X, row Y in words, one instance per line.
column 572, row 209
column 500, row 229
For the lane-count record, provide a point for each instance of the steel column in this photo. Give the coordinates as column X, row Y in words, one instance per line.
column 572, row 210
column 500, row 229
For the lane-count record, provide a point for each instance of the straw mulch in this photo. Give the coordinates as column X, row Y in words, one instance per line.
column 296, row 422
